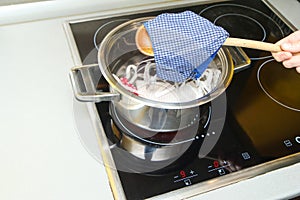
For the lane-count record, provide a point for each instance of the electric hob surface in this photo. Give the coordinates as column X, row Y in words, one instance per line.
column 254, row 123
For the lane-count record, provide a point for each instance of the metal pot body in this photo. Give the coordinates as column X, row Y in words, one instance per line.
column 158, row 119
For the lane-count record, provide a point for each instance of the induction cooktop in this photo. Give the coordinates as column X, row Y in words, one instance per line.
column 251, row 129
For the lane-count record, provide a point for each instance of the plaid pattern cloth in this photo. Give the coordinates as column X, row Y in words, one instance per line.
column 183, row 43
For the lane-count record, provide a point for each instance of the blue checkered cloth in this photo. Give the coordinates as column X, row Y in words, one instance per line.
column 184, row 44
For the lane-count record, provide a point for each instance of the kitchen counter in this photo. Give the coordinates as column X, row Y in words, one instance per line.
column 42, row 156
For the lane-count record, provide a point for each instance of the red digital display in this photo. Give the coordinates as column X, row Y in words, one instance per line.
column 182, row 174
column 216, row 164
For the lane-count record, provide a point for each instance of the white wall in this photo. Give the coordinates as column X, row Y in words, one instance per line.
column 12, row 2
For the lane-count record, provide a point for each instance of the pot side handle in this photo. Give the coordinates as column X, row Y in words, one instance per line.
column 85, row 88
column 240, row 58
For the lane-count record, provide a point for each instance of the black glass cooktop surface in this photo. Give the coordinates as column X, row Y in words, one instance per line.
column 259, row 122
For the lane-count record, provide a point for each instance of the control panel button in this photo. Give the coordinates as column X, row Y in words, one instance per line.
column 246, row 156
column 221, row 171
column 297, row 139
column 187, row 182
column 185, row 176
column 218, row 166
column 287, row 143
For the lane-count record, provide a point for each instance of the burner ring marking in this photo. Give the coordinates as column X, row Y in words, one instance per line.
column 247, row 17
column 266, row 92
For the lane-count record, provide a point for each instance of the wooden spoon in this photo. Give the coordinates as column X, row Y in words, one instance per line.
column 144, row 45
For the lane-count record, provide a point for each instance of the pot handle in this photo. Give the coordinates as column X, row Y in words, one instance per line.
column 240, row 59
column 84, row 84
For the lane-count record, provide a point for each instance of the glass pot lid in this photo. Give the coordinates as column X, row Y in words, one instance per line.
column 133, row 74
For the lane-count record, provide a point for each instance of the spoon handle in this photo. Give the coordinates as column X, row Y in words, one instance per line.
column 252, row 44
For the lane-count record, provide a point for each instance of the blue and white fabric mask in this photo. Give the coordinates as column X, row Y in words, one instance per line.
column 183, row 44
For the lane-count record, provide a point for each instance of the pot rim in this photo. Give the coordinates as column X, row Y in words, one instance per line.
column 223, row 53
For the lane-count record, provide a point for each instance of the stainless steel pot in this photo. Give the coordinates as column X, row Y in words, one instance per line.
column 116, row 52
